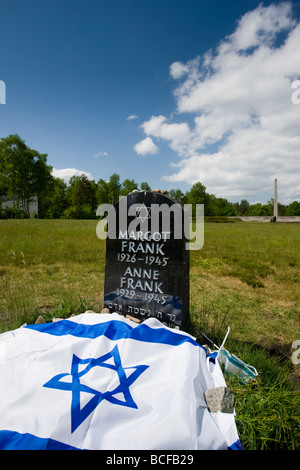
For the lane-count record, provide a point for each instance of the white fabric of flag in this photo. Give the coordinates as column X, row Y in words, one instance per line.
column 101, row 381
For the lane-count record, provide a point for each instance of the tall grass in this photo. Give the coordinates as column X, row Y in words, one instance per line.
column 268, row 408
column 267, row 411
column 57, row 266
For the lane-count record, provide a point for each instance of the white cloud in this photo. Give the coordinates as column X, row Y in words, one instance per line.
column 101, row 154
column 67, row 173
column 132, row 116
column 239, row 95
column 145, row 147
column 177, row 134
column 178, row 70
column 260, row 26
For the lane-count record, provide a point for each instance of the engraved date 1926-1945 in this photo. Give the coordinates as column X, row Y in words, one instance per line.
column 128, row 258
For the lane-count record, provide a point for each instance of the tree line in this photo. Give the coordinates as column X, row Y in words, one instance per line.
column 24, row 173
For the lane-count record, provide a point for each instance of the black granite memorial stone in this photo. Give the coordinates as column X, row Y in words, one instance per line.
column 147, row 264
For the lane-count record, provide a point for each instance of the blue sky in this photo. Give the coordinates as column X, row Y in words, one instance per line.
column 165, row 91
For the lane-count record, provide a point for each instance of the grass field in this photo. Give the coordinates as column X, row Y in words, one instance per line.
column 247, row 276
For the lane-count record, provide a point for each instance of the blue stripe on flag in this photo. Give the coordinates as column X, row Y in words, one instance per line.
column 12, row 440
column 236, row 446
column 114, row 330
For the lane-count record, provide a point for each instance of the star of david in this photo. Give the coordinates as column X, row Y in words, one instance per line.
column 143, row 212
column 78, row 414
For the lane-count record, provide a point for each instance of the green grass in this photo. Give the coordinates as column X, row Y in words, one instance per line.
column 251, row 272
column 267, row 410
column 246, row 276
column 55, row 264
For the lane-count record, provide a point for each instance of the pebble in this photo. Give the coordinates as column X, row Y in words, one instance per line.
column 39, row 320
column 136, row 320
column 220, row 399
column 105, row 310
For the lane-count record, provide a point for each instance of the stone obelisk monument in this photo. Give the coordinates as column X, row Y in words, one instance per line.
column 275, row 214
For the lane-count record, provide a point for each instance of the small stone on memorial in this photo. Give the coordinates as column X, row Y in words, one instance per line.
column 136, row 320
column 105, row 310
column 39, row 320
column 220, row 399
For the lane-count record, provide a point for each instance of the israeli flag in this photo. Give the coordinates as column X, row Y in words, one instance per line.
column 101, row 381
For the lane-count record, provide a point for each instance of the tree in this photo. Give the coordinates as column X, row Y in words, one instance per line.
column 127, row 187
column 54, row 201
column 219, row 206
column 84, row 192
column 281, row 209
column 145, row 186
column 81, row 196
column 244, row 204
column 198, row 195
column 236, row 208
column 178, row 195
column 23, row 171
column 102, row 192
column 113, row 187
column 259, row 209
column 293, row 208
